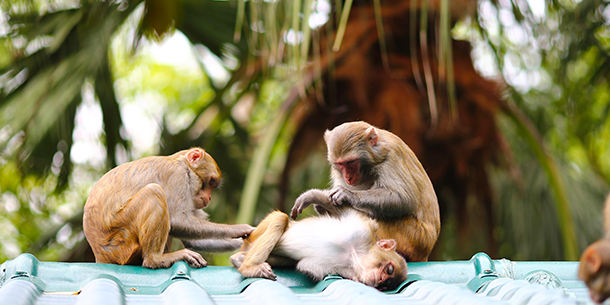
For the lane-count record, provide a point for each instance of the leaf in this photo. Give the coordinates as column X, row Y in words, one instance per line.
column 44, row 103
column 210, row 23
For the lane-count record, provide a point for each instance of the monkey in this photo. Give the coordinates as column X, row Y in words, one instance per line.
column 374, row 172
column 135, row 209
column 320, row 246
column 594, row 268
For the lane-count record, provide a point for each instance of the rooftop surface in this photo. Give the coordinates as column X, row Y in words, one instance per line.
column 25, row 280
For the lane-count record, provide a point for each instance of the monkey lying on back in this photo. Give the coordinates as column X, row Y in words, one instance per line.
column 133, row 211
column 320, row 246
column 594, row 267
column 376, row 173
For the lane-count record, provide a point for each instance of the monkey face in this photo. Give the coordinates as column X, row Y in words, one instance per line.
column 383, row 268
column 204, row 196
column 594, row 269
column 208, row 172
column 599, row 285
column 353, row 151
column 350, row 170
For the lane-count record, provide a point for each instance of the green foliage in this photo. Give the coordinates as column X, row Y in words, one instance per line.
column 30, row 210
column 554, row 59
column 559, row 72
column 528, row 220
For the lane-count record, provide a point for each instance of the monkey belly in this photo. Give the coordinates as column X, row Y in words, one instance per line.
column 414, row 239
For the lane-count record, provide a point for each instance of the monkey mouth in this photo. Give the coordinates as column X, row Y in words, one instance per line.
column 598, row 297
column 202, row 203
column 350, row 180
column 372, row 279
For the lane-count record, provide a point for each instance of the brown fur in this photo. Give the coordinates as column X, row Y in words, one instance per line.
column 258, row 246
column 133, row 210
column 594, row 267
column 392, row 188
column 354, row 256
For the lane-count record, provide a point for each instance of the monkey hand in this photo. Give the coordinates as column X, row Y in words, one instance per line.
column 241, row 230
column 342, row 196
column 299, row 205
column 306, row 199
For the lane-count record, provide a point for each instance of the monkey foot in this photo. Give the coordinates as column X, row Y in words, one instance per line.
column 237, row 259
column 194, row 259
column 261, row 270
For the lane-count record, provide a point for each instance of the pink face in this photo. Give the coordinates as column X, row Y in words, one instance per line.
column 383, row 268
column 383, row 277
column 350, row 169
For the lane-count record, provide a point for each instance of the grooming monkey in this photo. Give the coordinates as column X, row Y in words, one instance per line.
column 594, row 267
column 320, row 246
column 133, row 211
column 376, row 173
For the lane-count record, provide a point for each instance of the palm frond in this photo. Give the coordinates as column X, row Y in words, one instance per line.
column 72, row 47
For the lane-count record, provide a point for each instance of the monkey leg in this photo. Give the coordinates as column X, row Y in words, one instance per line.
column 238, row 258
column 281, row 261
column 414, row 239
column 138, row 233
column 258, row 246
column 153, row 230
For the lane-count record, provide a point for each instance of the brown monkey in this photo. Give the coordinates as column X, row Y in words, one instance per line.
column 133, row 211
column 594, row 267
column 320, row 246
column 376, row 173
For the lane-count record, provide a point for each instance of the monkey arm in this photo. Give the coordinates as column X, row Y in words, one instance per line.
column 320, row 200
column 313, row 268
column 377, row 203
column 213, row 245
column 318, row 271
column 188, row 226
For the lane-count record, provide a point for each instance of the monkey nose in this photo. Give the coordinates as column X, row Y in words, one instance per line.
column 348, row 179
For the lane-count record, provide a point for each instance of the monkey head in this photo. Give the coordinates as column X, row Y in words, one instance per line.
column 208, row 172
column 383, row 268
column 594, row 269
column 353, row 151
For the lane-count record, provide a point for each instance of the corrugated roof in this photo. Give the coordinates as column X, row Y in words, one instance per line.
column 480, row 280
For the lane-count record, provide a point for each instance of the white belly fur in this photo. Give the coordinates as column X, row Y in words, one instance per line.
column 323, row 237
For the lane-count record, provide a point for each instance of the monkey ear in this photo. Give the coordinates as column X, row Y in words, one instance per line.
column 371, row 136
column 387, row 244
column 195, row 155
column 591, row 259
column 326, row 135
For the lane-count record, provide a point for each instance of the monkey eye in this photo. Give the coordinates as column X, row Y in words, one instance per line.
column 389, row 269
column 213, row 182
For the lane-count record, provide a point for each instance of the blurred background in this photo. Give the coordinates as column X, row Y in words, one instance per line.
column 505, row 102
